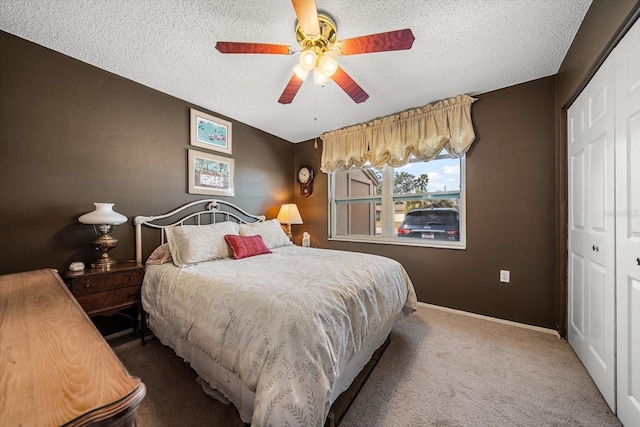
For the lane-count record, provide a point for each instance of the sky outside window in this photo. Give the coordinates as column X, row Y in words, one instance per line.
column 444, row 174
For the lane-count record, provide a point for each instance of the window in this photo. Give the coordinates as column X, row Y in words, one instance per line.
column 419, row 204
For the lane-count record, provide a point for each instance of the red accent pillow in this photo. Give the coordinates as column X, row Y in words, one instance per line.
column 246, row 246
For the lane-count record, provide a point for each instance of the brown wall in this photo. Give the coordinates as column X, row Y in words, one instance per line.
column 604, row 24
column 72, row 134
column 510, row 213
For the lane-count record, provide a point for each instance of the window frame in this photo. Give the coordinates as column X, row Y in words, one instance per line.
column 386, row 201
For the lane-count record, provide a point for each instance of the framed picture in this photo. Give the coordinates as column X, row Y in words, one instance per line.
column 210, row 132
column 210, row 174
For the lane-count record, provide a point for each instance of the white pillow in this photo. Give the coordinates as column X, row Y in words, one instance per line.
column 271, row 232
column 190, row 244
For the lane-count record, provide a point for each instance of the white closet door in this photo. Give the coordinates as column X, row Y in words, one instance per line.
column 591, row 263
column 627, row 81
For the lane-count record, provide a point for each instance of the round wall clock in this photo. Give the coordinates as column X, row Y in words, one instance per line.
column 305, row 174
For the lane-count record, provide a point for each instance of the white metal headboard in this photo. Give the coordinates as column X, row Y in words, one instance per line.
column 213, row 210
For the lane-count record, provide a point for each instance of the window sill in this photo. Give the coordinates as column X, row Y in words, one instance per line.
column 399, row 241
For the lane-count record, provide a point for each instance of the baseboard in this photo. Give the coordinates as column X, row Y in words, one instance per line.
column 492, row 319
column 119, row 334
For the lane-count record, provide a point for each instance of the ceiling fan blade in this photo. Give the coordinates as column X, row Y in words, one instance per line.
column 307, row 15
column 291, row 90
column 381, row 42
column 239, row 47
column 350, row 86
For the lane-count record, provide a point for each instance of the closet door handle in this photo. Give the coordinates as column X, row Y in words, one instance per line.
column 595, row 248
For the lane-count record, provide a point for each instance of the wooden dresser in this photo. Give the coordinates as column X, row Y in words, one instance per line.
column 55, row 367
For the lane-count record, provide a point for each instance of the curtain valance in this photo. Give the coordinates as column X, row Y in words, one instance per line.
column 391, row 140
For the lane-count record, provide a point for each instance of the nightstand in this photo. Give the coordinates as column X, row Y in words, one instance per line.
column 107, row 292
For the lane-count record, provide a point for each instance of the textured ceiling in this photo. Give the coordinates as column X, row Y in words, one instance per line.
column 461, row 46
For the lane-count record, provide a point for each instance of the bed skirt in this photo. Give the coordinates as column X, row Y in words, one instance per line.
column 234, row 389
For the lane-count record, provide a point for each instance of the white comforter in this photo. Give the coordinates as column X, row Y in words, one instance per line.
column 286, row 323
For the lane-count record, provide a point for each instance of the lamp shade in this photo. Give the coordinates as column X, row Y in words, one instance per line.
column 289, row 214
column 319, row 77
column 103, row 214
column 301, row 72
column 328, row 64
column 308, row 59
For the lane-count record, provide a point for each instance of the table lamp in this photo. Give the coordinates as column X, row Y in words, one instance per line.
column 289, row 214
column 103, row 219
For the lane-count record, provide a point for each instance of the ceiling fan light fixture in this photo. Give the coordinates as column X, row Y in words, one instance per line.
column 308, row 59
column 328, row 64
column 319, row 77
column 301, row 72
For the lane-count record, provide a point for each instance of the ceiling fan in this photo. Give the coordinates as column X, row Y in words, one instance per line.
column 316, row 33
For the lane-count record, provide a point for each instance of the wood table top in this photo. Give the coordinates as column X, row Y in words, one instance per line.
column 55, row 367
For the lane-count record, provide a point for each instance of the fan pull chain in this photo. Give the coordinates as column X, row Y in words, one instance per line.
column 315, row 139
column 315, row 120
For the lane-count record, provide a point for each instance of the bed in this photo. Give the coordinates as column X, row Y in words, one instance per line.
column 281, row 333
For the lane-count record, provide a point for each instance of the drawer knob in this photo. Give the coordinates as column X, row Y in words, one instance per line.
column 595, row 248
column 638, row 261
column 87, row 285
column 131, row 294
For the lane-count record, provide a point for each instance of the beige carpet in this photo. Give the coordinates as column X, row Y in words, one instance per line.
column 441, row 369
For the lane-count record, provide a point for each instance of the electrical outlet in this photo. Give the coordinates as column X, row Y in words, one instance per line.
column 505, row 276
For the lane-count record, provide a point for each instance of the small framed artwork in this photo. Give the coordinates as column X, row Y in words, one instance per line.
column 210, row 174
column 210, row 132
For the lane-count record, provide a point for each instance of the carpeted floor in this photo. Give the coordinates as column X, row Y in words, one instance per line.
column 441, row 369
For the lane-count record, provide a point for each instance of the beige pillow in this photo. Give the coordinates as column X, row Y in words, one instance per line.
column 191, row 244
column 271, row 232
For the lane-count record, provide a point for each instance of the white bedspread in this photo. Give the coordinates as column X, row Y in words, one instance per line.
column 286, row 323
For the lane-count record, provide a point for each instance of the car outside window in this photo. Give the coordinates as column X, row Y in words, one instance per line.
column 420, row 204
column 431, row 223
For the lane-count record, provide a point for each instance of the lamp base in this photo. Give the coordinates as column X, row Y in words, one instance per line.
column 103, row 244
column 104, row 263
